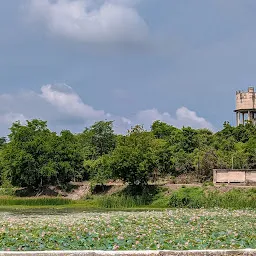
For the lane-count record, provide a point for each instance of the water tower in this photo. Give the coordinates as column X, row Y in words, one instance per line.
column 245, row 106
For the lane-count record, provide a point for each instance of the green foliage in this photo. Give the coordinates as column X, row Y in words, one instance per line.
column 187, row 197
column 36, row 157
column 97, row 140
column 7, row 189
column 133, row 159
column 40, row 201
column 195, row 197
column 2, row 141
column 99, row 170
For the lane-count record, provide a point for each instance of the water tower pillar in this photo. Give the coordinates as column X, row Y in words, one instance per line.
column 237, row 118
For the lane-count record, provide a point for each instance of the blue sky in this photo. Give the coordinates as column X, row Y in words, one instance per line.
column 73, row 62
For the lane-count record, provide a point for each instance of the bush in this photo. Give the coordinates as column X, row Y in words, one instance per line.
column 187, row 197
column 7, row 189
column 195, row 197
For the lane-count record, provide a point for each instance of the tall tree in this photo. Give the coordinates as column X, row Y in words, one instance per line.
column 35, row 156
column 138, row 155
column 97, row 140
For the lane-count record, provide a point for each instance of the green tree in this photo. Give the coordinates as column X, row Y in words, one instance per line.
column 183, row 162
column 133, row 159
column 207, row 162
column 99, row 170
column 67, row 158
column 250, row 149
column 97, row 140
column 189, row 139
column 162, row 130
column 2, row 141
column 35, row 156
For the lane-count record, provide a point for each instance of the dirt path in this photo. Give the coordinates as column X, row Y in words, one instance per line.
column 80, row 192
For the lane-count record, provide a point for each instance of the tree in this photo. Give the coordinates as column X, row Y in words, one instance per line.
column 2, row 141
column 103, row 137
column 250, row 149
column 35, row 156
column 163, row 157
column 97, row 140
column 162, row 130
column 99, row 170
column 183, row 162
column 132, row 160
column 23, row 156
column 67, row 157
column 207, row 162
column 189, row 139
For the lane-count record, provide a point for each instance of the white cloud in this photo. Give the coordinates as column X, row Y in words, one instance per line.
column 67, row 101
column 10, row 118
column 126, row 120
column 184, row 117
column 90, row 20
column 64, row 109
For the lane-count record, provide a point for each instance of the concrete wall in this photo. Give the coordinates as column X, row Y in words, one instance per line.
column 234, row 176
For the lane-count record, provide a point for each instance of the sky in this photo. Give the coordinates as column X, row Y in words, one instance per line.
column 74, row 62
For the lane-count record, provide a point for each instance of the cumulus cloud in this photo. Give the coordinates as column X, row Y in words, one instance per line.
column 187, row 117
column 184, row 117
column 67, row 101
column 64, row 109
column 90, row 20
column 10, row 118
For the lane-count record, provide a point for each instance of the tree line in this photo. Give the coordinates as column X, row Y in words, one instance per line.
column 34, row 156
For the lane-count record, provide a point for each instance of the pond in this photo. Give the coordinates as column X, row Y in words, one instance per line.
column 179, row 229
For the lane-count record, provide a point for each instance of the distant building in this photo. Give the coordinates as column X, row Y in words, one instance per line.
column 245, row 106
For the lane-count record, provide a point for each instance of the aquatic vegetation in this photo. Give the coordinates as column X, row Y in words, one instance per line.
column 170, row 229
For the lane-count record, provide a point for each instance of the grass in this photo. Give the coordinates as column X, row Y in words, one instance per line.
column 185, row 197
column 118, row 202
column 180, row 229
column 34, row 201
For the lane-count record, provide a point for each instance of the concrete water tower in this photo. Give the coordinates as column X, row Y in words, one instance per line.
column 245, row 106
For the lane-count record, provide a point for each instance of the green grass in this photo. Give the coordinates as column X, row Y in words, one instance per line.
column 185, row 197
column 118, row 202
column 39, row 201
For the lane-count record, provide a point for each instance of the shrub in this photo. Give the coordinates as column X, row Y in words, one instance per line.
column 195, row 197
column 187, row 197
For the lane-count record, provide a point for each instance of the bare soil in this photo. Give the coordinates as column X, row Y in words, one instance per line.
column 79, row 190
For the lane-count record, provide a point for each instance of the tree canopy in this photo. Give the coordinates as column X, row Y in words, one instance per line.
column 34, row 156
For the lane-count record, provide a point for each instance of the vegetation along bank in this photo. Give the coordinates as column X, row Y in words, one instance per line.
column 34, row 158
